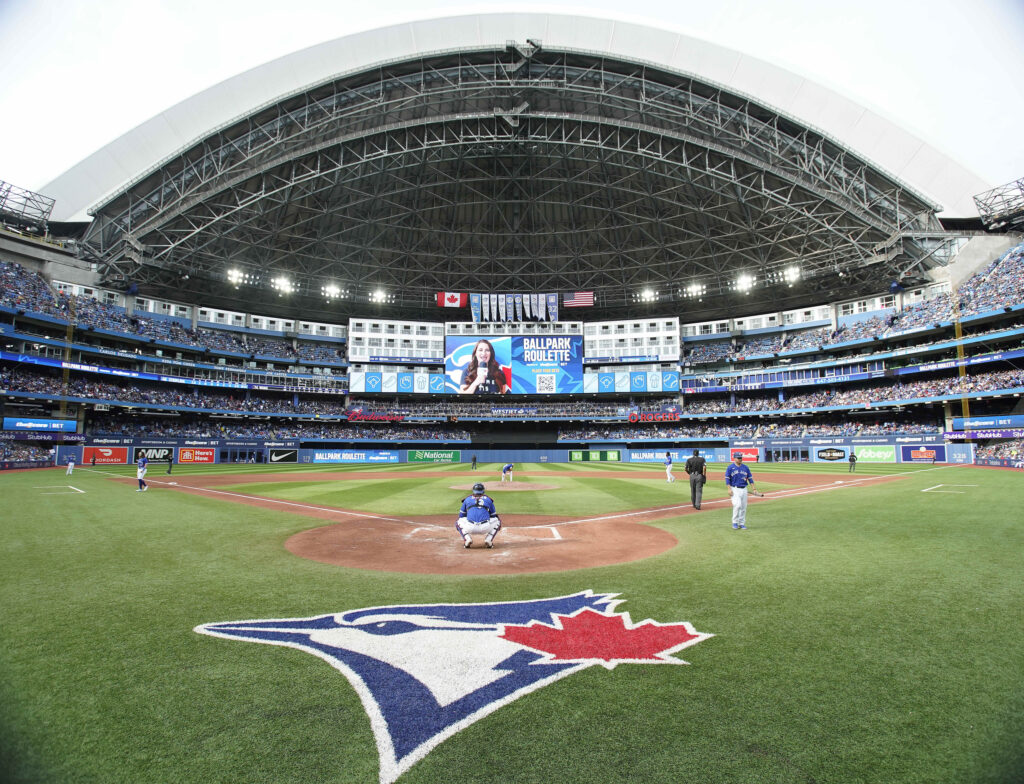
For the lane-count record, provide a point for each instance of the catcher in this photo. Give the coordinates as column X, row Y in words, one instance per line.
column 477, row 515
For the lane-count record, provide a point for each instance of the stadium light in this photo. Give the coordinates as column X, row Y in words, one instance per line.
column 745, row 283
column 696, row 290
column 234, row 277
column 331, row 291
column 791, row 274
column 381, row 296
column 283, row 285
column 648, row 295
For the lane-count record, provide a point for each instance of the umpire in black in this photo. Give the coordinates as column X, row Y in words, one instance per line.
column 697, row 468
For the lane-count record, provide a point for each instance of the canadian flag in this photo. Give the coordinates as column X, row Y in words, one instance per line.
column 449, row 299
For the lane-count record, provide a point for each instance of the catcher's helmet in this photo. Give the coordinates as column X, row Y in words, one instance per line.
column 478, row 488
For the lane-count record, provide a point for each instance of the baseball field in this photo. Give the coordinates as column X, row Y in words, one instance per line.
column 866, row 628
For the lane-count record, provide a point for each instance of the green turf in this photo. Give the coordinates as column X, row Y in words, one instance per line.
column 867, row 634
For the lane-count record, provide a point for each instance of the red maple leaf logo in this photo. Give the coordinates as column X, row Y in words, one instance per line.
column 453, row 298
column 605, row 639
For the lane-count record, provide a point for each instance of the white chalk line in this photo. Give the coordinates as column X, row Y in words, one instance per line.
column 780, row 494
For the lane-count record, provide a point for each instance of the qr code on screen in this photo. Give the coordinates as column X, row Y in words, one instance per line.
column 546, row 383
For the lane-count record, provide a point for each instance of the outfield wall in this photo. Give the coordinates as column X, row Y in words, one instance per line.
column 869, row 449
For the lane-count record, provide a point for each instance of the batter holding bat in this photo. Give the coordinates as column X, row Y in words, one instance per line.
column 737, row 479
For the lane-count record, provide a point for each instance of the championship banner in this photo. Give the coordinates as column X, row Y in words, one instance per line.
column 552, row 307
column 526, row 307
column 501, row 306
column 510, row 307
column 494, row 306
column 538, row 307
column 486, row 301
column 519, row 307
column 474, row 305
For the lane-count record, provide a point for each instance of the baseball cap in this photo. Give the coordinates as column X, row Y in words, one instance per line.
column 738, row 456
column 478, row 488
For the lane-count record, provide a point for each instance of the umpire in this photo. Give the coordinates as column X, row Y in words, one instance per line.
column 697, row 468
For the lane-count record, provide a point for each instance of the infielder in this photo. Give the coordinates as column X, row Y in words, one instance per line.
column 71, row 466
column 506, row 471
column 140, row 473
column 477, row 515
column 737, row 479
column 668, row 468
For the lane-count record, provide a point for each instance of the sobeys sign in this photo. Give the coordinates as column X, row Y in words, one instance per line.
column 434, row 456
column 875, row 454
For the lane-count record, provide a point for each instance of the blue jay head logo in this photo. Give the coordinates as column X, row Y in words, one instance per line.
column 425, row 672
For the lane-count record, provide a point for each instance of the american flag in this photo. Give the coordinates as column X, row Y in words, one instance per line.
column 578, row 299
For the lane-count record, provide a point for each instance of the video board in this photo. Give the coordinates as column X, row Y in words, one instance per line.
column 513, row 364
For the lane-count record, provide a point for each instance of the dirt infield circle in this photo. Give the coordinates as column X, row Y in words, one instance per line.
column 429, row 544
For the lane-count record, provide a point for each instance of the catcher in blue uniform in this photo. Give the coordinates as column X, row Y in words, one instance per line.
column 477, row 515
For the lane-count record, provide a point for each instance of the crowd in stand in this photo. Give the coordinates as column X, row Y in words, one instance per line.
column 197, row 427
column 1011, row 449
column 655, row 431
column 22, row 289
column 21, row 451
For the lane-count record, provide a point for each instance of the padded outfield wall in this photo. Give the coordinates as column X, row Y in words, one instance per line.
column 869, row 449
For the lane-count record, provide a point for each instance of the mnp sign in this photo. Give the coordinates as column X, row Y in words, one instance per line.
column 434, row 456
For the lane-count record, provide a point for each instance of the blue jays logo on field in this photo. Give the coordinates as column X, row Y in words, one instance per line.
column 426, row 672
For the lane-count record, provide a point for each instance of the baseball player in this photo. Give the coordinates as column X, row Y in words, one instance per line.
column 853, row 462
column 140, row 472
column 477, row 515
column 668, row 468
column 737, row 479
column 71, row 466
column 506, row 470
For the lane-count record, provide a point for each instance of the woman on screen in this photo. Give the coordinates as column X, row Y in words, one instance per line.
column 483, row 374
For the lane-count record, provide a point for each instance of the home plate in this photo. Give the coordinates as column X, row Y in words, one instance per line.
column 838, row 482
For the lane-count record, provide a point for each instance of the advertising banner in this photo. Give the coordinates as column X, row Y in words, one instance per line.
column 829, row 453
column 658, row 455
column 354, row 456
column 284, row 456
column 983, row 423
column 876, row 454
column 154, row 453
column 749, row 455
column 433, row 456
column 105, row 455
column 929, row 453
column 194, row 455
column 22, row 423
column 515, row 364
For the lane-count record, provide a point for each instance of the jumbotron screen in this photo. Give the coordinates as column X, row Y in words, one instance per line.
column 513, row 364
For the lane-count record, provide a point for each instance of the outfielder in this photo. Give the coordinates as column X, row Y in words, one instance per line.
column 668, row 468
column 477, row 516
column 737, row 479
column 71, row 466
column 507, row 471
column 140, row 473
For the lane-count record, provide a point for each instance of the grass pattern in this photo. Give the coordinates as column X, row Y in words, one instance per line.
column 867, row 634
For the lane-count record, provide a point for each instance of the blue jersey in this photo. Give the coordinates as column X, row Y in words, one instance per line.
column 477, row 509
column 738, row 476
column 143, row 462
column 668, row 460
column 507, row 468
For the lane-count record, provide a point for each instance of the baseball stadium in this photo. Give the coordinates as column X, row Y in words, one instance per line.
column 700, row 347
